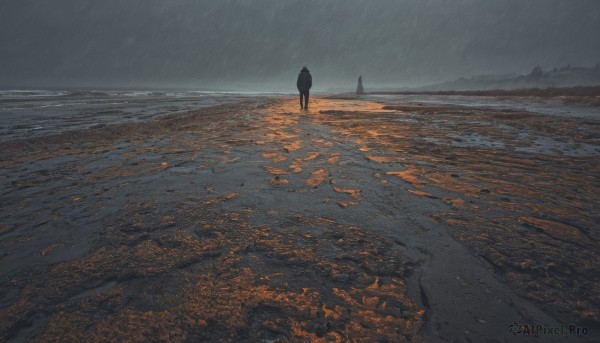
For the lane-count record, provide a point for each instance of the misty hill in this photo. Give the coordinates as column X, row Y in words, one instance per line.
column 538, row 78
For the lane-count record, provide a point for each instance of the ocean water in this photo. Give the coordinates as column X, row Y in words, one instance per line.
column 34, row 113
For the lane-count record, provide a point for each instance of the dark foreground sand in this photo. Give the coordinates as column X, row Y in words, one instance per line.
column 257, row 222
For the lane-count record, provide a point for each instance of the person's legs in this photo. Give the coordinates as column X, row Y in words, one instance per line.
column 306, row 100
column 301, row 96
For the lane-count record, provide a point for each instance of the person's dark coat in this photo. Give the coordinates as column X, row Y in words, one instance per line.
column 304, row 80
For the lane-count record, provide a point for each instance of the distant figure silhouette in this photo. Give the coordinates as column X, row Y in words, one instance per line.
column 359, row 89
column 304, row 83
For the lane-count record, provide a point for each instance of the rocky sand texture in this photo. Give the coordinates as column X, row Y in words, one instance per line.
column 356, row 221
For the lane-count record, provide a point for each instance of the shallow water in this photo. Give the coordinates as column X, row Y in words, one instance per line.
column 35, row 113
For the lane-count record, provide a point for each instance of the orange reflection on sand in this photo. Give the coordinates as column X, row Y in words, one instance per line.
column 50, row 248
column 221, row 198
column 311, row 156
column 276, row 157
column 334, row 158
column 420, row 193
column 386, row 159
column 409, row 176
column 344, row 204
column 228, row 281
column 524, row 192
column 355, row 193
column 555, row 229
column 335, row 106
column 292, row 146
column 446, row 181
column 457, row 203
column 274, row 170
column 295, row 167
column 317, row 177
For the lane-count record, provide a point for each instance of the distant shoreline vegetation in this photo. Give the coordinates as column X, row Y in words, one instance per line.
column 537, row 78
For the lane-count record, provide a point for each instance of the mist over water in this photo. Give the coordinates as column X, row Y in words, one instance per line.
column 261, row 45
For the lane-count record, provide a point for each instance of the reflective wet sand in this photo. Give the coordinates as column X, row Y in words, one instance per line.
column 260, row 222
column 523, row 190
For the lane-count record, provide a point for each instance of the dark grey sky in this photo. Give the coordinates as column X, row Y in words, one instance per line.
column 261, row 45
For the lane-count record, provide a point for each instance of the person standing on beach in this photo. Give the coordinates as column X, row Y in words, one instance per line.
column 303, row 84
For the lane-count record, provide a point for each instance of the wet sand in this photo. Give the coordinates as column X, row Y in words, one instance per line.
column 256, row 221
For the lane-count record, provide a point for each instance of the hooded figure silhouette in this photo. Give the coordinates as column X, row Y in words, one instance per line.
column 303, row 84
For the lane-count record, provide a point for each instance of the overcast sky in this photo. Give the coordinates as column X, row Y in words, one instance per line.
column 262, row 45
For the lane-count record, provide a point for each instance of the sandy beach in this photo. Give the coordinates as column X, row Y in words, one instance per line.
column 368, row 220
